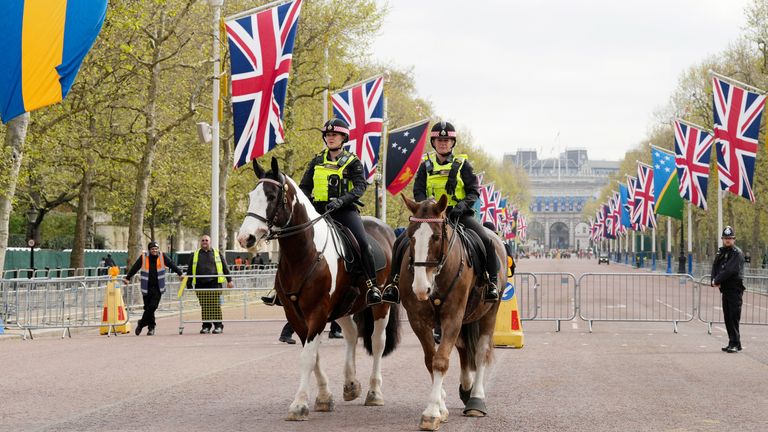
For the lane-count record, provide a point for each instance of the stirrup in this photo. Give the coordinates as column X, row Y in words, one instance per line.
column 271, row 300
column 373, row 296
column 391, row 294
column 491, row 293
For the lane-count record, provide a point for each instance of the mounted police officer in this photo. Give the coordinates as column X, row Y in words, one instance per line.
column 443, row 173
column 335, row 182
column 728, row 276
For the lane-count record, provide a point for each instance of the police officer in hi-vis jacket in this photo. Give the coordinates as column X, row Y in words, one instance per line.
column 443, row 173
column 334, row 181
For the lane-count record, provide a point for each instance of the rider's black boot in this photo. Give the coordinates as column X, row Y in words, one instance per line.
column 491, row 291
column 373, row 296
column 271, row 300
column 391, row 292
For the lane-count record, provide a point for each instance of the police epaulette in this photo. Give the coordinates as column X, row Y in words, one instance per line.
column 344, row 158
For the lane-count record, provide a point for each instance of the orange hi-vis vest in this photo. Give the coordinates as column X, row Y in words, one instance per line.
column 144, row 274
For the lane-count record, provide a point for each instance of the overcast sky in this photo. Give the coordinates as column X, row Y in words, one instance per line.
column 516, row 72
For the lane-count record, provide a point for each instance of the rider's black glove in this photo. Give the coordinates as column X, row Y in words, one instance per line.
column 458, row 210
column 334, row 205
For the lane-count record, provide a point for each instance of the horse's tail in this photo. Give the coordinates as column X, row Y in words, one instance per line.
column 470, row 334
column 392, row 332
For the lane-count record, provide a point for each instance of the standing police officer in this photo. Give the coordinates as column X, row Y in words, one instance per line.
column 728, row 276
column 443, row 173
column 335, row 181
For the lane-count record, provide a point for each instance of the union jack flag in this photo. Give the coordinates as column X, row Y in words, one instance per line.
column 599, row 224
column 643, row 213
column 487, row 204
column 362, row 107
column 692, row 151
column 261, row 50
column 737, row 115
column 631, row 186
column 522, row 228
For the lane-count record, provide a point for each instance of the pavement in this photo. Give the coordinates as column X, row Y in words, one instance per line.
column 624, row 376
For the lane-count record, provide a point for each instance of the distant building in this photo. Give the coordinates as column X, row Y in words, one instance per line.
column 560, row 187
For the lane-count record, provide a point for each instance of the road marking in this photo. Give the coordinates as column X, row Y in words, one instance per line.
column 674, row 308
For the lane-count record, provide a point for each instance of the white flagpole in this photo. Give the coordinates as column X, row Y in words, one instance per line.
column 216, row 5
column 383, row 164
column 690, row 230
column 653, row 250
column 719, row 215
column 669, row 244
column 327, row 83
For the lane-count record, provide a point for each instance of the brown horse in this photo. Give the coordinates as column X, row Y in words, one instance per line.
column 437, row 283
column 315, row 288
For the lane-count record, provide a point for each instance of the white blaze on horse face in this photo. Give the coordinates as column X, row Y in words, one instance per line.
column 421, row 281
column 257, row 203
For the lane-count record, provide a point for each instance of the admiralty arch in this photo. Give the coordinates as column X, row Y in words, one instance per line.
column 560, row 188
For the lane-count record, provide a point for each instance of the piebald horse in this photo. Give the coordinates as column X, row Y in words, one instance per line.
column 314, row 286
column 437, row 282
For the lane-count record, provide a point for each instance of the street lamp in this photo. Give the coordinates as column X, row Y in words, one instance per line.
column 32, row 218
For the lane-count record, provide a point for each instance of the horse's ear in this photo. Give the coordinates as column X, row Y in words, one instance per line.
column 275, row 167
column 442, row 204
column 258, row 169
column 411, row 204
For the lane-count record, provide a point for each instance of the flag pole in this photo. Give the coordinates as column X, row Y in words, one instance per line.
column 733, row 81
column 216, row 5
column 371, row 78
column 669, row 244
column 383, row 172
column 653, row 250
column 327, row 82
column 719, row 215
column 253, row 10
column 690, row 241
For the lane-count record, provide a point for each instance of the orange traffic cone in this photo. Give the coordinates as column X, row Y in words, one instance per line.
column 115, row 317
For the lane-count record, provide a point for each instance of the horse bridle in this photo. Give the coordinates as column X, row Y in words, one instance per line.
column 285, row 230
column 443, row 255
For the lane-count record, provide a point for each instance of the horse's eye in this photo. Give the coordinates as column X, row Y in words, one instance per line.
column 270, row 197
column 435, row 237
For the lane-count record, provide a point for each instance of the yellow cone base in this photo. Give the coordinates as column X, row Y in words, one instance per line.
column 114, row 312
column 508, row 331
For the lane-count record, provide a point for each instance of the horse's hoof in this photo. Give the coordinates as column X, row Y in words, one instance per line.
column 298, row 414
column 475, row 407
column 373, row 399
column 352, row 391
column 324, row 406
column 429, row 423
column 444, row 417
column 464, row 394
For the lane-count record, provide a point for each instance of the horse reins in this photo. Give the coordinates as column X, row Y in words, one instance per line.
column 285, row 230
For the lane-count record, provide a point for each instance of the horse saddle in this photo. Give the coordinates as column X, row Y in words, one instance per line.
column 349, row 249
column 474, row 246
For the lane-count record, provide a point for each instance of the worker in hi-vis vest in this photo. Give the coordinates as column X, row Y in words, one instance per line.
column 213, row 271
column 152, row 265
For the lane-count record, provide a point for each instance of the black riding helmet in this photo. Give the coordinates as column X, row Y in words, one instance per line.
column 336, row 125
column 442, row 129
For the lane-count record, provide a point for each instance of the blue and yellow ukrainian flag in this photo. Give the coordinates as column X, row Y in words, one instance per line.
column 43, row 44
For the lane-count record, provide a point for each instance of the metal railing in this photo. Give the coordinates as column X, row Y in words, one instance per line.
column 754, row 308
column 636, row 297
column 225, row 305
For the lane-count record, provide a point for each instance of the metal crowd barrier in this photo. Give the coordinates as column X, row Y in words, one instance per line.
column 636, row 297
column 556, row 299
column 754, row 308
column 525, row 289
column 226, row 305
column 58, row 303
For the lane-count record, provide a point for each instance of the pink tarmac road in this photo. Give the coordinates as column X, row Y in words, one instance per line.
column 621, row 377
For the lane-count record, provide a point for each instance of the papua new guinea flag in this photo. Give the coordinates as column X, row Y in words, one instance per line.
column 405, row 146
